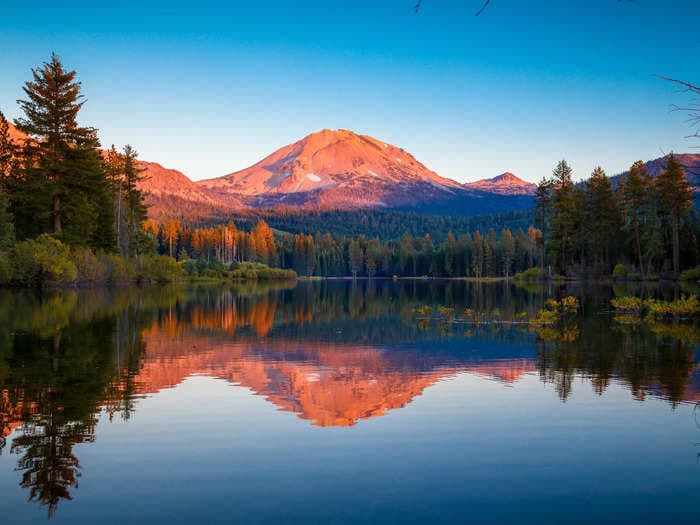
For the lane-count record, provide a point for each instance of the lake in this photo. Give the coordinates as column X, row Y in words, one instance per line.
column 344, row 402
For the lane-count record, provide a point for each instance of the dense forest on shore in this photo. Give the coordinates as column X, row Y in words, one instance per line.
column 73, row 212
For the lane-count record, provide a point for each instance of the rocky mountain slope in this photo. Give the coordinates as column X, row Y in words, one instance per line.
column 339, row 169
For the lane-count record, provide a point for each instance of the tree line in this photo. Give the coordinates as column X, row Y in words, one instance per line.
column 491, row 254
column 71, row 210
column 645, row 226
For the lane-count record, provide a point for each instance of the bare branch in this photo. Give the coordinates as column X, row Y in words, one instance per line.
column 486, row 4
column 687, row 85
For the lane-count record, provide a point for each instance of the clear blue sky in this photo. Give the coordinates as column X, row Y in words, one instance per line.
column 211, row 88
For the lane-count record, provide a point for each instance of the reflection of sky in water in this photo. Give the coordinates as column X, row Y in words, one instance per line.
column 207, row 451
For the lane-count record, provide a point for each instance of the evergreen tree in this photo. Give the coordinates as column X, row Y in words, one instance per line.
column 450, row 249
column 51, row 111
column 604, row 218
column 543, row 212
column 563, row 221
column 507, row 251
column 354, row 257
column 136, row 208
column 675, row 201
column 636, row 207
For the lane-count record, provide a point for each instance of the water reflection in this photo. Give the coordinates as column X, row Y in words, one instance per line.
column 333, row 353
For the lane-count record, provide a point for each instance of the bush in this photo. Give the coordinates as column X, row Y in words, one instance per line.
column 117, row 268
column 40, row 260
column 158, row 268
column 685, row 306
column 90, row 268
column 627, row 304
column 260, row 272
column 531, row 274
column 620, row 271
column 692, row 274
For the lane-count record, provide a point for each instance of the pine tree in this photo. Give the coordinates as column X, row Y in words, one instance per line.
column 604, row 217
column 563, row 220
column 450, row 250
column 478, row 255
column 543, row 213
column 355, row 257
column 507, row 251
column 675, row 201
column 636, row 206
column 136, row 208
column 51, row 110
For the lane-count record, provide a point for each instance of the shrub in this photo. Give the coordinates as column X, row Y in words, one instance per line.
column 531, row 274
column 627, row 304
column 692, row 274
column 159, row 268
column 117, row 268
column 43, row 259
column 258, row 271
column 89, row 267
column 569, row 304
column 685, row 306
column 620, row 271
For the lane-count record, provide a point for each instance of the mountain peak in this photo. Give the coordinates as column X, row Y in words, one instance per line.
column 504, row 184
column 335, row 169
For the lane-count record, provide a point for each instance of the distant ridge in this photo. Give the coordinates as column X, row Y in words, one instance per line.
column 341, row 170
column 504, row 184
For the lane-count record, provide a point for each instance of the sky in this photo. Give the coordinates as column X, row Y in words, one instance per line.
column 210, row 88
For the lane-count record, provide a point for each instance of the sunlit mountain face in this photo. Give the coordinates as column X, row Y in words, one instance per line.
column 339, row 170
column 335, row 354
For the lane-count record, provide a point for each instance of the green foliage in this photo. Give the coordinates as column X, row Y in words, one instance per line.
column 531, row 274
column 589, row 227
column 686, row 306
column 555, row 310
column 158, row 268
column 693, row 274
column 261, row 273
column 620, row 271
column 627, row 304
column 41, row 260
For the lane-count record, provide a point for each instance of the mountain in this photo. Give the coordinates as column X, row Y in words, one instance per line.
column 336, row 169
column 504, row 184
column 339, row 169
column 171, row 194
column 689, row 161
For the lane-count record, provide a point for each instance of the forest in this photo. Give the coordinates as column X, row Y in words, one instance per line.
column 72, row 212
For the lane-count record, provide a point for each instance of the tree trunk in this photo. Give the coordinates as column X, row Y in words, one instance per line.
column 639, row 249
column 676, row 245
column 57, row 227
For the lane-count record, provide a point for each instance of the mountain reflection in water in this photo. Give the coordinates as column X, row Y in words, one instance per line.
column 333, row 353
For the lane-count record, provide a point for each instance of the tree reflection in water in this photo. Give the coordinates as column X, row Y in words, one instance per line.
column 331, row 352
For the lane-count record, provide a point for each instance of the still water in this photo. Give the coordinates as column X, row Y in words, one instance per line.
column 340, row 402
